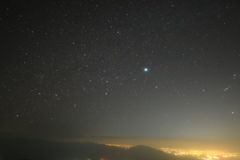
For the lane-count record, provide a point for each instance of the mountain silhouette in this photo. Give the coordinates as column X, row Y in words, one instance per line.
column 35, row 149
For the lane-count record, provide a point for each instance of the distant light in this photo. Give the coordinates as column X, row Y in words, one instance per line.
column 145, row 69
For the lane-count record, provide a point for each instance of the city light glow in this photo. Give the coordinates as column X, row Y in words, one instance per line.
column 201, row 154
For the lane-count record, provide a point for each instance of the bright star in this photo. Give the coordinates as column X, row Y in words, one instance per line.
column 145, row 69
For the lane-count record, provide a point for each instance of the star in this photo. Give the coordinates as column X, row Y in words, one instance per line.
column 145, row 69
column 226, row 89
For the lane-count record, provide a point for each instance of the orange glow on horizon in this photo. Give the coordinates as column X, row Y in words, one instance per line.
column 199, row 154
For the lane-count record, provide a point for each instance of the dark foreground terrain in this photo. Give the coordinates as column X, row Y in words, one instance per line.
column 32, row 149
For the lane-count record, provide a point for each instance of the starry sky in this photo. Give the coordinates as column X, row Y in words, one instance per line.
column 144, row 68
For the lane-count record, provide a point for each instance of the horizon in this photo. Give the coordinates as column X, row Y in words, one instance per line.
column 232, row 146
column 161, row 73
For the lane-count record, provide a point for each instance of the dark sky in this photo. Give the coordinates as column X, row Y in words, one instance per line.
column 144, row 68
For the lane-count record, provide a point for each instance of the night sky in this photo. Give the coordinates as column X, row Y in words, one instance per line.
column 167, row 69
